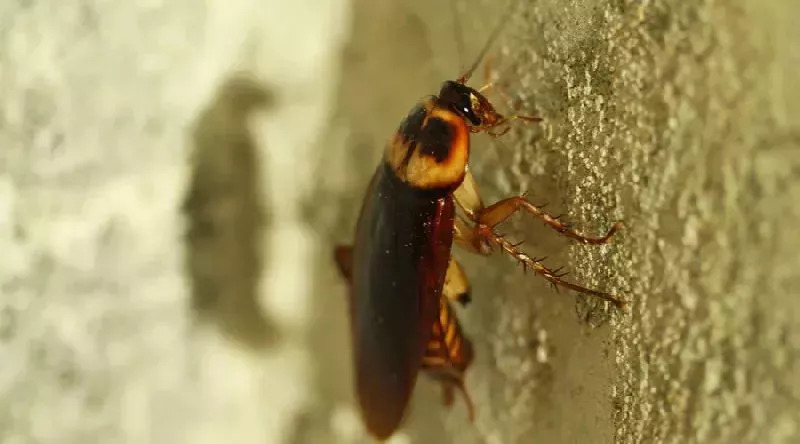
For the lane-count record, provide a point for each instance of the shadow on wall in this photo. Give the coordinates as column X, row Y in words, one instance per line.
column 225, row 217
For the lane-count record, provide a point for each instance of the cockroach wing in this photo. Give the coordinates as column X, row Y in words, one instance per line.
column 400, row 257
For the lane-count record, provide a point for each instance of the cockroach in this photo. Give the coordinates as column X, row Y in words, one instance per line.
column 401, row 275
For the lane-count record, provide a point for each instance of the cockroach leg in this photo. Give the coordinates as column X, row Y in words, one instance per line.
column 456, row 286
column 496, row 134
column 453, row 381
column 503, row 209
column 465, row 236
column 483, row 235
column 447, row 395
column 553, row 276
column 468, row 198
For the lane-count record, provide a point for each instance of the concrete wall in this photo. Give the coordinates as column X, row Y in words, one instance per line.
column 173, row 176
column 153, row 267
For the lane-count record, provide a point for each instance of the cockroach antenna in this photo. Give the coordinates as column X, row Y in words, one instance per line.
column 492, row 37
column 458, row 33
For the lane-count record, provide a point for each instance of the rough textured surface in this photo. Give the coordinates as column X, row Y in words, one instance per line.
column 679, row 118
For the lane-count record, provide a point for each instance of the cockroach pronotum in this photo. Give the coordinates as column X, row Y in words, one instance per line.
column 401, row 275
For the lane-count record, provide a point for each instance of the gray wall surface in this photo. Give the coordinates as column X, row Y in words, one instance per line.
column 173, row 176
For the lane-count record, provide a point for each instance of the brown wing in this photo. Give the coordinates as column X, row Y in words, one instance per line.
column 399, row 261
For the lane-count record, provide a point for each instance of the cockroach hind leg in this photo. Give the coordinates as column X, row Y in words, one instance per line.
column 502, row 210
column 467, row 400
column 448, row 396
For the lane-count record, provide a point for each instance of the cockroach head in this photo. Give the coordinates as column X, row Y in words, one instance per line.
column 469, row 104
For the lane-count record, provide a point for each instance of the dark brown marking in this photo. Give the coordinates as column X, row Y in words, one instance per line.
column 412, row 125
column 436, row 139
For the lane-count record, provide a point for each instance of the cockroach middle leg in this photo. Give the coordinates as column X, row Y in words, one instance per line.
column 456, row 285
column 466, row 237
column 503, row 209
column 468, row 198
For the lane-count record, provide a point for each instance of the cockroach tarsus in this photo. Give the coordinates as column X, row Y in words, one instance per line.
column 401, row 274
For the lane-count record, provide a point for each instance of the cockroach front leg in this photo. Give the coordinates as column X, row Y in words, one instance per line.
column 484, row 236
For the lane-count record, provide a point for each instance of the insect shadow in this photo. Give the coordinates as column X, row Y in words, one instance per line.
column 225, row 217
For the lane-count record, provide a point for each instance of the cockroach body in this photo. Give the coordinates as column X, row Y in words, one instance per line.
column 402, row 278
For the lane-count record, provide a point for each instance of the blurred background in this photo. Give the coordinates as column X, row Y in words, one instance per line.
column 173, row 176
